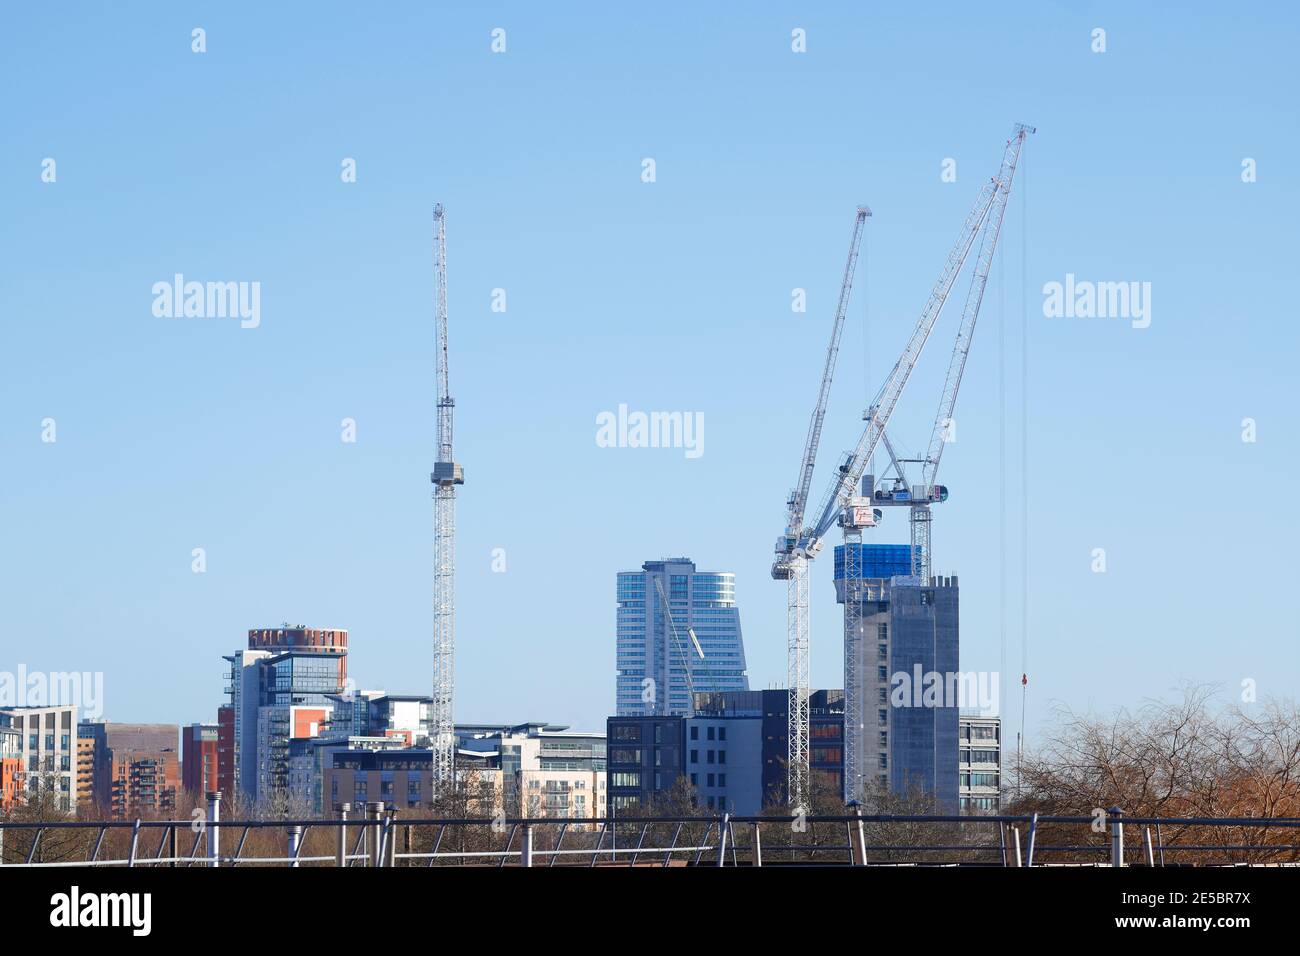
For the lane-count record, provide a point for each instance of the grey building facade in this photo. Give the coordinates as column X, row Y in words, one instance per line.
column 979, row 747
column 908, row 673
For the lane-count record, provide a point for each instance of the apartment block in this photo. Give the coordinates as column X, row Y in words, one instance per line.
column 979, row 747
column 48, row 751
column 199, row 758
column 11, row 763
column 281, row 688
column 137, row 767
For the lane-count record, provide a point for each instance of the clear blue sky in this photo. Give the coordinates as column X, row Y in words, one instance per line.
column 175, row 434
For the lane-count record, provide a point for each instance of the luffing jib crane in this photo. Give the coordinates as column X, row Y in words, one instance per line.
column 858, row 513
column 842, row 505
column 791, row 565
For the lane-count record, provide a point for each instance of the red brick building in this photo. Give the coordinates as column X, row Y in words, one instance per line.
column 200, row 757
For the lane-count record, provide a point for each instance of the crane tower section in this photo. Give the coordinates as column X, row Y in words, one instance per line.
column 447, row 474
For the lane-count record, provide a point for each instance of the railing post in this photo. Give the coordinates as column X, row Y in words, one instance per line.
column 341, row 853
column 758, row 842
column 526, row 853
column 135, row 840
column 862, row 837
column 214, row 828
column 2, row 846
column 1146, row 840
column 390, row 838
column 1015, row 845
column 171, row 844
column 1116, row 836
column 295, row 838
column 723, row 826
column 1033, row 832
column 373, row 809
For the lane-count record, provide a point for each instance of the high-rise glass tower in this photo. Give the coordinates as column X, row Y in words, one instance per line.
column 692, row 644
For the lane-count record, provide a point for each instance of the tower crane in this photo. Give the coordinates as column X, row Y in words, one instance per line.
column 800, row 544
column 791, row 564
column 860, row 512
column 447, row 474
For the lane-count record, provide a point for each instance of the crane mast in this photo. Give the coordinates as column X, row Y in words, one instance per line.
column 791, row 564
column 447, row 474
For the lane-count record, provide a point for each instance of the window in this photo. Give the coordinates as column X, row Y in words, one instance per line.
column 710, row 756
column 722, row 756
column 695, row 756
column 711, row 733
column 882, row 673
column 695, row 732
column 722, row 780
column 709, row 780
column 722, row 733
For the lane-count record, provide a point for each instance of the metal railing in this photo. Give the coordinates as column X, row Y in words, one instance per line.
column 372, row 840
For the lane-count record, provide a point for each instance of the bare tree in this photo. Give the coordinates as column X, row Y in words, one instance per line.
column 1181, row 758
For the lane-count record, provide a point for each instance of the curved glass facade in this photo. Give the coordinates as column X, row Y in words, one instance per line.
column 658, row 661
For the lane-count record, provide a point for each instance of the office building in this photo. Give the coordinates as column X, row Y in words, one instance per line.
column 761, row 717
column 907, row 672
column 693, row 643
column 979, row 763
column 732, row 750
column 647, row 754
column 400, row 778
column 48, row 751
column 311, row 759
column 199, row 758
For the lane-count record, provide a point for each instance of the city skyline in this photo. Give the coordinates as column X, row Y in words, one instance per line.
column 175, row 434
